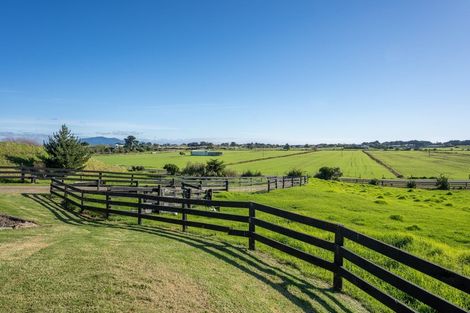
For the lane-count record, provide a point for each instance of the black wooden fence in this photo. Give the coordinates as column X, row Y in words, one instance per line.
column 403, row 183
column 262, row 183
column 144, row 206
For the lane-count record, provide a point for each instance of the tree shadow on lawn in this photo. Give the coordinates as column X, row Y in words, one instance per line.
column 282, row 281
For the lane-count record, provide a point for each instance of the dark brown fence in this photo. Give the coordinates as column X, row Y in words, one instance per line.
column 138, row 179
column 403, row 183
column 249, row 220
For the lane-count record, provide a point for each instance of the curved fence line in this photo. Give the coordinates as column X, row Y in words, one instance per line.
column 149, row 206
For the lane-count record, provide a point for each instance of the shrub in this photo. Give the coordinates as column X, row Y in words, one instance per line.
column 135, row 168
column 229, row 173
column 171, row 169
column 442, row 182
column 249, row 173
column 374, row 182
column 215, row 167
column 295, row 172
column 194, row 169
column 411, row 184
column 182, row 153
column 329, row 173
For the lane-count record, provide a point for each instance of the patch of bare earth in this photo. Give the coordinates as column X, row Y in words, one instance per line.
column 14, row 222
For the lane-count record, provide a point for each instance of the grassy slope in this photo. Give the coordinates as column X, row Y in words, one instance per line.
column 353, row 163
column 15, row 154
column 74, row 264
column 454, row 164
column 430, row 224
column 12, row 153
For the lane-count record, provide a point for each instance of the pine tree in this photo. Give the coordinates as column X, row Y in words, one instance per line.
column 65, row 150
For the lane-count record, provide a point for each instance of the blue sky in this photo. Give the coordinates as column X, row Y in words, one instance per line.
column 276, row 71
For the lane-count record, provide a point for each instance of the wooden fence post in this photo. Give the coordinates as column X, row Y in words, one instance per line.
column 66, row 203
column 338, row 259
column 108, row 206
column 22, row 174
column 81, row 202
column 283, row 182
column 226, row 185
column 277, row 178
column 139, row 211
column 184, row 216
column 269, row 185
column 159, row 193
column 251, row 229
column 292, row 181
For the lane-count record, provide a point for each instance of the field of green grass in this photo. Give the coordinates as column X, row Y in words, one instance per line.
column 454, row 164
column 159, row 159
column 431, row 224
column 73, row 263
column 353, row 163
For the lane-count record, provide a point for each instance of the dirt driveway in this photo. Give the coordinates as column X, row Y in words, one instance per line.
column 23, row 189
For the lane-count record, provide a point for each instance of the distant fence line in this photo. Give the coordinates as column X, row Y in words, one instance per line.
column 261, row 183
column 403, row 183
column 149, row 206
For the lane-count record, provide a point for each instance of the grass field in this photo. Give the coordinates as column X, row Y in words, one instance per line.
column 455, row 164
column 71, row 263
column 430, row 224
column 159, row 159
column 353, row 163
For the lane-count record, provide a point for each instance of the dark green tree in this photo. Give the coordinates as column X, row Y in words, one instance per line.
column 130, row 142
column 65, row 150
column 329, row 173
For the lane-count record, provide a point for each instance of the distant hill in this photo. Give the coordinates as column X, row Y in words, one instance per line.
column 93, row 141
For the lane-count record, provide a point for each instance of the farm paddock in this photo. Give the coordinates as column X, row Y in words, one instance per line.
column 76, row 263
column 292, row 203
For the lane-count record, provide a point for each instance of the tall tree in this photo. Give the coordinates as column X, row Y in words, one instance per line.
column 65, row 150
column 130, row 142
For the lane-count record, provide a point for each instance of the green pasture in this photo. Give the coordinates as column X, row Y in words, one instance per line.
column 75, row 263
column 353, row 163
column 428, row 223
column 159, row 159
column 431, row 224
column 454, row 164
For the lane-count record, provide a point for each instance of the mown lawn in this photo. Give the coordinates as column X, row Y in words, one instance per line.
column 73, row 263
column 454, row 164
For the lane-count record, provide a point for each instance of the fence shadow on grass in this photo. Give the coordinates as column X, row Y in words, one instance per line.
column 290, row 284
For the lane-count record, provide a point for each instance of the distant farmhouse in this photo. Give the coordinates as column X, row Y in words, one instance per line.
column 205, row 153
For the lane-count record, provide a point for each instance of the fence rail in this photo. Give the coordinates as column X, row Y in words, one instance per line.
column 403, row 183
column 262, row 183
column 250, row 222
